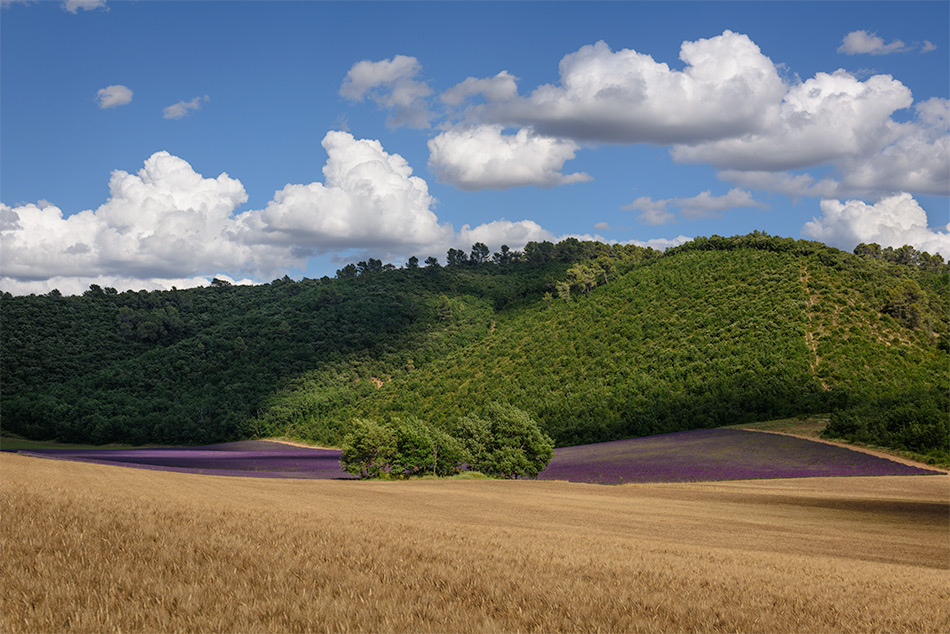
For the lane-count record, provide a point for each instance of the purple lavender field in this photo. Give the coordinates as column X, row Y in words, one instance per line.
column 702, row 455
column 714, row 454
column 255, row 458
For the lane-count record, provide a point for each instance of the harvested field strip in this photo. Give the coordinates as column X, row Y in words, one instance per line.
column 92, row 548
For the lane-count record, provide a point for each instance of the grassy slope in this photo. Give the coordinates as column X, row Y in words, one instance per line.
column 693, row 340
column 92, row 548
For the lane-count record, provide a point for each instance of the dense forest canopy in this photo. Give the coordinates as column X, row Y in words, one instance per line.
column 594, row 341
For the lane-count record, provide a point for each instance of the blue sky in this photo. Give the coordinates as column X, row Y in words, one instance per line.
column 150, row 144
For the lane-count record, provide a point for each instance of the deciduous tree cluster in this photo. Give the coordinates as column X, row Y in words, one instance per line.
column 502, row 441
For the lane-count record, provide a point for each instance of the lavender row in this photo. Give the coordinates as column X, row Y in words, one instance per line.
column 246, row 458
column 714, row 454
column 703, row 455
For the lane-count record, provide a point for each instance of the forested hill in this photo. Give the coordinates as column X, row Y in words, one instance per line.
column 596, row 342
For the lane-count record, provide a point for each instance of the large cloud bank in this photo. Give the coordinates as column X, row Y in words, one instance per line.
column 730, row 106
column 167, row 225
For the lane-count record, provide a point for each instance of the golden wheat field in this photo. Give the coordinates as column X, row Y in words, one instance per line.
column 91, row 548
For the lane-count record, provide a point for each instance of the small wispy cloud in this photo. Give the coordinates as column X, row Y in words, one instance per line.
column 703, row 205
column 180, row 109
column 652, row 212
column 113, row 96
column 864, row 43
column 73, row 6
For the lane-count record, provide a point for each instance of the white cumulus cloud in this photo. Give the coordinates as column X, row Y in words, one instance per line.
column 917, row 160
column 369, row 199
column 496, row 233
column 660, row 244
column 827, row 117
column 113, row 96
column 862, row 42
column 498, row 88
column 839, row 121
column 167, row 225
column 391, row 84
column 160, row 227
column 893, row 221
column 482, row 157
column 730, row 107
column 628, row 97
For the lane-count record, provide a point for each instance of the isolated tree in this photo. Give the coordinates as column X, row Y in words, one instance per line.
column 479, row 253
column 432, row 262
column 413, row 263
column 872, row 250
column 539, row 252
column 906, row 255
column 505, row 442
column 503, row 256
column 455, row 257
column 907, row 303
column 583, row 277
column 347, row 271
column 926, row 262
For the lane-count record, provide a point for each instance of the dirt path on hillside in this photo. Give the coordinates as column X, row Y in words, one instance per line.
column 294, row 443
column 873, row 452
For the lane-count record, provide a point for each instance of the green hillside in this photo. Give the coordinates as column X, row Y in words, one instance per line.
column 197, row 365
column 596, row 342
column 697, row 338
